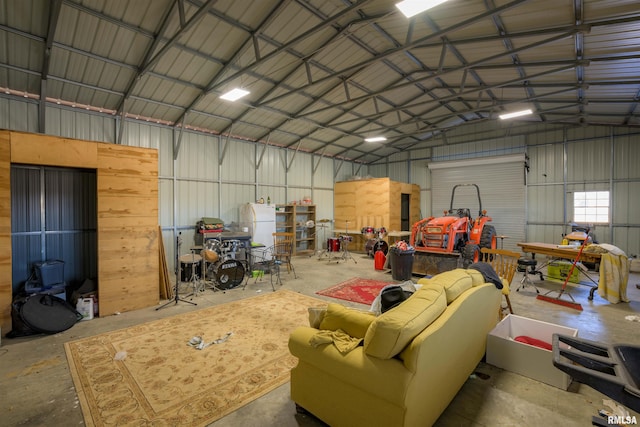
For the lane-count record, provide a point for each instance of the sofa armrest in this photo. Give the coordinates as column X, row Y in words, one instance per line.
column 386, row 378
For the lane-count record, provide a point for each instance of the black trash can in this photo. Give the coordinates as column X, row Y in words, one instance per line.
column 401, row 263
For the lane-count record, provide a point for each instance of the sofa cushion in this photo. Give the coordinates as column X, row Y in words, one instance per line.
column 454, row 282
column 477, row 278
column 354, row 322
column 390, row 332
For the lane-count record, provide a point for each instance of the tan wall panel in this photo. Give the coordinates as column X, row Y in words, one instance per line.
column 114, row 206
column 127, row 228
column 52, row 151
column 372, row 203
column 5, row 233
column 130, row 161
column 123, row 288
column 134, row 221
column 117, row 185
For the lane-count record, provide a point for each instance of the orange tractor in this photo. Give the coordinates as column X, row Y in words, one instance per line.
column 453, row 240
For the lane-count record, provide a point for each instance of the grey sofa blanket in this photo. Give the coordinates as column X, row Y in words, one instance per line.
column 488, row 273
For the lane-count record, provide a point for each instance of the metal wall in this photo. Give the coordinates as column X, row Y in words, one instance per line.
column 20, row 115
column 561, row 160
column 53, row 216
column 213, row 175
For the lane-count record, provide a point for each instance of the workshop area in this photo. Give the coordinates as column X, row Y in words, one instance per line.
column 308, row 213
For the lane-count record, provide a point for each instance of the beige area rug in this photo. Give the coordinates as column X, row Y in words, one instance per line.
column 164, row 381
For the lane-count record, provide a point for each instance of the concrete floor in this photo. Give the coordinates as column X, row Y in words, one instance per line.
column 37, row 389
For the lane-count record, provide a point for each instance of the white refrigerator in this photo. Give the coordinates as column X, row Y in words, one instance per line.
column 260, row 219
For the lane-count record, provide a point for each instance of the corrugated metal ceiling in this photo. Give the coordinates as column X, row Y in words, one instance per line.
column 325, row 74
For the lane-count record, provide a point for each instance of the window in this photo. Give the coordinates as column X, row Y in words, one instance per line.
column 591, row 206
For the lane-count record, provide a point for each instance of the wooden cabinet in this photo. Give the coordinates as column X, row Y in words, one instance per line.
column 295, row 219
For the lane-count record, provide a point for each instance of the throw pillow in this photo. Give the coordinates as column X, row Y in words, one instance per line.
column 390, row 332
column 316, row 314
column 353, row 322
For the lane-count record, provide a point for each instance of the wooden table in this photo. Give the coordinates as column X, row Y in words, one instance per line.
column 394, row 236
column 556, row 252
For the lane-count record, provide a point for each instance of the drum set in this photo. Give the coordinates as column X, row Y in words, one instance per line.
column 339, row 245
column 375, row 240
column 213, row 265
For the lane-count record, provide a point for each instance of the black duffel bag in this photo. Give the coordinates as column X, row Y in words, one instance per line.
column 41, row 314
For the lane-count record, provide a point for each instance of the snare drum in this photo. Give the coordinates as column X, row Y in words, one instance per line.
column 189, row 266
column 368, row 232
column 382, row 232
column 346, row 239
column 333, row 244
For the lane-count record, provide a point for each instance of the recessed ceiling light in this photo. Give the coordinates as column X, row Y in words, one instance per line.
column 234, row 94
column 515, row 114
column 413, row 7
column 376, row 139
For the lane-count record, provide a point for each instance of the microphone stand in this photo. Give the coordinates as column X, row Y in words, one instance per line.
column 176, row 298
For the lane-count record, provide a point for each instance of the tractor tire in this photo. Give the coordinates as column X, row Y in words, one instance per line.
column 488, row 237
column 470, row 254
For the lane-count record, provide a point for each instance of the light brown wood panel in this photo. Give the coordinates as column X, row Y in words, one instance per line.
column 130, row 161
column 47, row 150
column 5, row 234
column 126, row 298
column 373, row 203
column 114, row 206
column 128, row 239
column 128, row 200
column 124, row 186
column 133, row 221
column 127, row 193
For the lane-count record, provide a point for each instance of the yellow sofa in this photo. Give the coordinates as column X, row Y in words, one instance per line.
column 413, row 361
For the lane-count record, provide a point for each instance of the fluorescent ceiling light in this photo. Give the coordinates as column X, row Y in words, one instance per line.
column 413, row 7
column 376, row 139
column 234, row 94
column 515, row 114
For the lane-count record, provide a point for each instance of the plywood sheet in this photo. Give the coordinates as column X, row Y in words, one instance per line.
column 372, row 203
column 127, row 228
column 5, row 233
column 48, row 150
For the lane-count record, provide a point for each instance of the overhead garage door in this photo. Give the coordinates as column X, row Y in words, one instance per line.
column 502, row 192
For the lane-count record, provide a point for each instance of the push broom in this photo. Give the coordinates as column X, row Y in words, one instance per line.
column 571, row 304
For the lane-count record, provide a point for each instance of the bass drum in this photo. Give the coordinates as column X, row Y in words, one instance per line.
column 228, row 273
column 374, row 245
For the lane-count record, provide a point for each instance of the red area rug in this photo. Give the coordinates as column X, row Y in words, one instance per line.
column 356, row 289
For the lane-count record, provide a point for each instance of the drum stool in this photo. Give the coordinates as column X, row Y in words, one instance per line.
column 527, row 265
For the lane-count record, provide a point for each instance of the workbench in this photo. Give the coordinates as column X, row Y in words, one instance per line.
column 558, row 252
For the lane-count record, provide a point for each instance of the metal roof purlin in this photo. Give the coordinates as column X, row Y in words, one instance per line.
column 451, row 70
column 236, row 54
column 54, row 14
column 149, row 61
column 215, row 84
column 416, row 43
column 484, row 88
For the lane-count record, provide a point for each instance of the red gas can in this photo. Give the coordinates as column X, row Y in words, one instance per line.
column 379, row 259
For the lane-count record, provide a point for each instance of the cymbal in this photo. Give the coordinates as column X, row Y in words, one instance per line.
column 325, row 220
